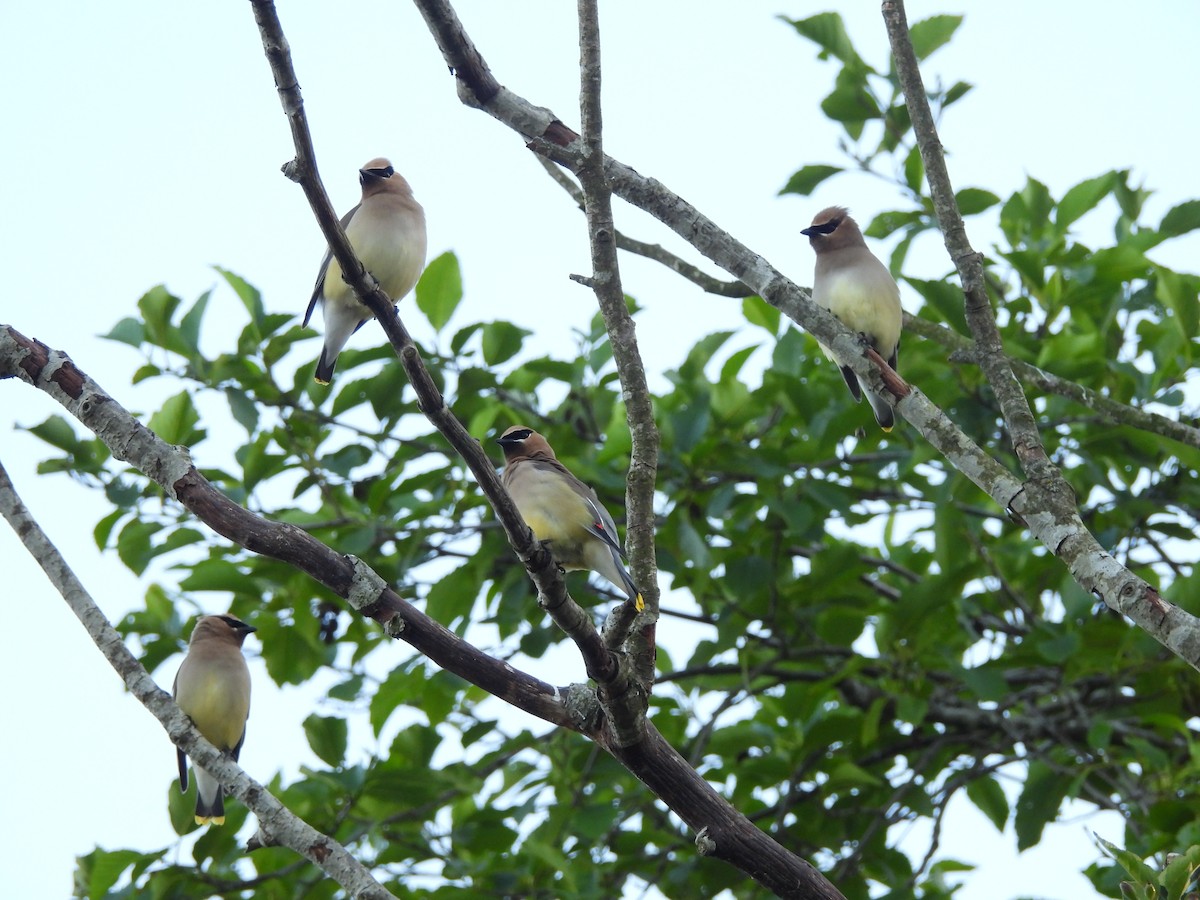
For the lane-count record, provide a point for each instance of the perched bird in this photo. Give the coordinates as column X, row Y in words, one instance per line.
column 857, row 288
column 213, row 688
column 562, row 510
column 387, row 232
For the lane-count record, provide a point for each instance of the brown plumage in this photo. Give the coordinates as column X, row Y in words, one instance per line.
column 387, row 231
column 213, row 687
column 562, row 510
column 857, row 288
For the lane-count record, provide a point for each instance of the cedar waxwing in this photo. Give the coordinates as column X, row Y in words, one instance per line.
column 387, row 232
column 213, row 688
column 562, row 510
column 857, row 288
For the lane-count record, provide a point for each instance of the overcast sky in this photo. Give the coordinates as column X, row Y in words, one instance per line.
column 143, row 146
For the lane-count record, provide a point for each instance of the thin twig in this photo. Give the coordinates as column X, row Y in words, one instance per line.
column 659, row 254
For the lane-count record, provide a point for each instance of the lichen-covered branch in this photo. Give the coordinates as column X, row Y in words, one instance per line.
column 655, row 252
column 275, row 820
column 1018, row 417
column 652, row 760
column 963, row 349
column 639, row 411
column 1047, row 502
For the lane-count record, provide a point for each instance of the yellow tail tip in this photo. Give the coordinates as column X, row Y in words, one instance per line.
column 638, row 603
column 887, row 428
column 210, row 820
column 324, row 383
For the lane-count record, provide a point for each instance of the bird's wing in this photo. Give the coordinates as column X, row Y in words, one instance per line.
column 319, row 289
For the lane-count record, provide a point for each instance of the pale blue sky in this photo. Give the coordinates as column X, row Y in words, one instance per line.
column 143, row 146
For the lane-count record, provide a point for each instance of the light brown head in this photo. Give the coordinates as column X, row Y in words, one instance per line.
column 378, row 177
column 227, row 629
column 833, row 229
column 520, row 442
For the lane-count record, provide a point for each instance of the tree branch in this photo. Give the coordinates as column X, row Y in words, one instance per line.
column 1015, row 408
column 639, row 412
column 171, row 468
column 1041, row 506
column 275, row 819
column 659, row 254
column 730, row 836
column 599, row 661
column 1118, row 413
column 1047, row 498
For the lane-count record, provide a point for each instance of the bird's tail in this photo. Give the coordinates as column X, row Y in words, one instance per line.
column 210, row 799
column 882, row 409
column 631, row 589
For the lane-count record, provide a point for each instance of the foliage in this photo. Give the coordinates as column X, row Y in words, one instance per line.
column 875, row 636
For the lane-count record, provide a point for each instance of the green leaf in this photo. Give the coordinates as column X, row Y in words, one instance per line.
column 914, row 170
column 502, row 341
column 1180, row 294
column 128, row 331
column 57, row 432
column 176, row 421
column 1132, row 864
column 247, row 293
column 328, row 737
column 216, row 575
column 972, row 201
column 850, row 103
column 989, row 798
column 1058, row 648
column 887, row 223
column 1181, row 219
column 805, row 181
column 440, row 290
column 1082, row 198
column 759, row 312
column 133, row 544
column 189, row 326
column 157, row 306
column 1180, row 873
column 957, row 91
column 1043, row 794
column 101, row 869
column 932, row 33
column 243, row 408
column 828, row 31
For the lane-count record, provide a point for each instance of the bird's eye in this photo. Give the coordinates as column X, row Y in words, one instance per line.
column 523, row 434
column 828, row 228
column 387, row 172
